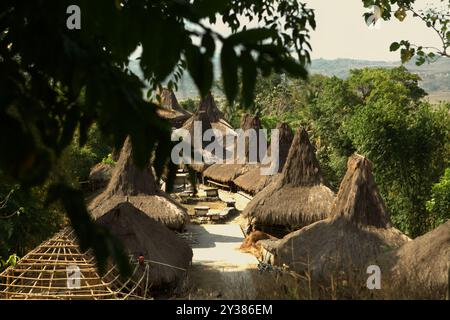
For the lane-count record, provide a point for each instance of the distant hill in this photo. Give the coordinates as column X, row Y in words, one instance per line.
column 435, row 76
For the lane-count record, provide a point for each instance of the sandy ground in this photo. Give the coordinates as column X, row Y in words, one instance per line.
column 219, row 269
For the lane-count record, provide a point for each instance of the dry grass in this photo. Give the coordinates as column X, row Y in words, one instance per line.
column 292, row 286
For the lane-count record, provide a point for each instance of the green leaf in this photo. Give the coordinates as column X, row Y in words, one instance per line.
column 294, row 68
column 394, row 46
column 200, row 68
column 209, row 44
column 252, row 36
column 249, row 74
column 229, row 63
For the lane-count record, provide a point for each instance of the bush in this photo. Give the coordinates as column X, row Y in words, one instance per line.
column 439, row 205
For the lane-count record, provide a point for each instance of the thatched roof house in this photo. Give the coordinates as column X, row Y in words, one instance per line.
column 201, row 117
column 169, row 255
column 211, row 118
column 297, row 197
column 44, row 272
column 172, row 110
column 131, row 184
column 421, row 266
column 357, row 231
column 215, row 116
column 252, row 181
column 226, row 173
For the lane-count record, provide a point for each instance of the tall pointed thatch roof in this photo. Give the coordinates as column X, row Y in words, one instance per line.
column 131, row 184
column 298, row 196
column 169, row 255
column 172, row 110
column 208, row 104
column 215, row 116
column 169, row 101
column 357, row 231
column 43, row 274
column 202, row 117
column 421, row 266
column 226, row 173
column 252, row 181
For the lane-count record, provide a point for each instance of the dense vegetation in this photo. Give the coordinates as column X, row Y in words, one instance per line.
column 46, row 68
column 379, row 113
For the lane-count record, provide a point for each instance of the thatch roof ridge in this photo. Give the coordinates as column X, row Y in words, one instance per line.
column 200, row 116
column 352, row 235
column 129, row 180
column 169, row 101
column 226, row 173
column 358, row 199
column 300, row 188
column 286, row 136
column 129, row 183
column 208, row 105
column 252, row 181
column 302, row 167
column 250, row 121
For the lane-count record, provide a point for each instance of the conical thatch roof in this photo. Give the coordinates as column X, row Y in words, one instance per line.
column 130, row 184
column 420, row 266
column 298, row 196
column 215, row 116
column 202, row 117
column 357, row 231
column 252, row 181
column 170, row 255
column 208, row 105
column 171, row 109
column 169, row 101
column 226, row 173
column 43, row 274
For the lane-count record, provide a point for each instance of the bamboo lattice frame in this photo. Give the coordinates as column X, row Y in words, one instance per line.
column 42, row 274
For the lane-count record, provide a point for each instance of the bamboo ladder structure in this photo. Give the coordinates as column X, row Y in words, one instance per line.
column 42, row 274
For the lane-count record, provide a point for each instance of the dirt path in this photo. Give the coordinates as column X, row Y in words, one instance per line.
column 219, row 269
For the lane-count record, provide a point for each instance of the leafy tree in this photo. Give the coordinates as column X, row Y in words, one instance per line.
column 371, row 83
column 439, row 205
column 436, row 17
column 44, row 68
column 25, row 221
column 407, row 147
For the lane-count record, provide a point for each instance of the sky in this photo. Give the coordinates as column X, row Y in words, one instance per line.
column 342, row 32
